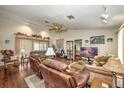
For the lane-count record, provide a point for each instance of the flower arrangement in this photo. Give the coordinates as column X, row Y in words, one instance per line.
column 7, row 54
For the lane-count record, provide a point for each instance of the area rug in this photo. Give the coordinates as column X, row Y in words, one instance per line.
column 34, row 81
column 1, row 63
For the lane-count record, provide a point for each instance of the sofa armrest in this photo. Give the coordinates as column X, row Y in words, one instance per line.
column 69, row 72
column 82, row 79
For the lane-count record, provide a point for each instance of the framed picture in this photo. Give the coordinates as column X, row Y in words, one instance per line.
column 97, row 39
column 86, row 41
column 59, row 44
column 7, row 41
column 109, row 39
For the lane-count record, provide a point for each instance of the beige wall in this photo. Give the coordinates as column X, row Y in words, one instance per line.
column 10, row 24
column 103, row 49
column 51, row 34
column 7, row 33
column 7, row 30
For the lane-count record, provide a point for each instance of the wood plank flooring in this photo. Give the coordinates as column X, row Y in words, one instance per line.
column 15, row 78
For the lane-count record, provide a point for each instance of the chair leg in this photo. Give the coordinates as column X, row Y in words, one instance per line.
column 87, row 85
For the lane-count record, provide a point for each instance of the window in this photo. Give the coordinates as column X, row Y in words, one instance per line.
column 30, row 45
column 40, row 45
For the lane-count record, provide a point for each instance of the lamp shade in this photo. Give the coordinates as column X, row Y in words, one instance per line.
column 50, row 52
column 22, row 51
column 114, row 65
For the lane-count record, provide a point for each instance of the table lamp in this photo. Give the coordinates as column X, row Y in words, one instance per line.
column 50, row 52
column 115, row 67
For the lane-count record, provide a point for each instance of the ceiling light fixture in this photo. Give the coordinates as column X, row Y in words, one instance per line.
column 57, row 27
column 104, row 16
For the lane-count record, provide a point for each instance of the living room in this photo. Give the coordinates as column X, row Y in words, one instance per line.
column 71, row 47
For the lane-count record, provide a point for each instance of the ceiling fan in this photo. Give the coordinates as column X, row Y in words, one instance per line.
column 57, row 27
column 104, row 16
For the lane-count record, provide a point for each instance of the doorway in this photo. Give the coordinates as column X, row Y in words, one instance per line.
column 77, row 46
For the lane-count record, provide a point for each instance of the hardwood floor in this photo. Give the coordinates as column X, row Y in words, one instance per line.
column 15, row 78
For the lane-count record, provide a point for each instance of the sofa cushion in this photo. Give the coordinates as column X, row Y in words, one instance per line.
column 60, row 66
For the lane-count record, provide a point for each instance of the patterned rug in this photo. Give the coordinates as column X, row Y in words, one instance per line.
column 34, row 81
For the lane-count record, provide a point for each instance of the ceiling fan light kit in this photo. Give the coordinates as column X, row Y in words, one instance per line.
column 104, row 21
column 104, row 16
column 57, row 27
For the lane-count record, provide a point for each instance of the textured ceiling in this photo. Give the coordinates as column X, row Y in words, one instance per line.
column 86, row 17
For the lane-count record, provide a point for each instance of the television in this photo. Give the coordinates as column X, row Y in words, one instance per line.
column 88, row 52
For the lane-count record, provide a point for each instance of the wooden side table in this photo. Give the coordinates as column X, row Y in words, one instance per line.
column 98, row 83
column 11, row 63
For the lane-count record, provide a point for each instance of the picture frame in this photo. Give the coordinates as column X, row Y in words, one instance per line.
column 7, row 41
column 59, row 44
column 86, row 41
column 97, row 39
column 109, row 39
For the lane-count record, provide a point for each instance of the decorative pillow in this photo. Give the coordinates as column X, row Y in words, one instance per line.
column 60, row 66
column 101, row 58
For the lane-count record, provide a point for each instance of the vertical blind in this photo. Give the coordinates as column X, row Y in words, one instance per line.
column 29, row 45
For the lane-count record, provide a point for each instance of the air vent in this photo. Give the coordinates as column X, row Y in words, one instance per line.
column 46, row 21
column 70, row 17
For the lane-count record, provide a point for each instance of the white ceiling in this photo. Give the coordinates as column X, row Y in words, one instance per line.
column 86, row 16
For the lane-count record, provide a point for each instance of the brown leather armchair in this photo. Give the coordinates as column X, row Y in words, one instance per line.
column 56, row 75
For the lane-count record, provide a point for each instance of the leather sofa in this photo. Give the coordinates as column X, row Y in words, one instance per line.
column 57, row 75
column 35, row 61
